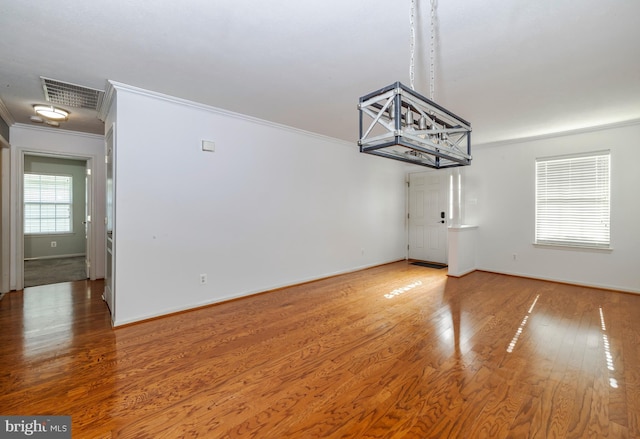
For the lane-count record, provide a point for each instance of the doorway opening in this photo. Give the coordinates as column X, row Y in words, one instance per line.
column 56, row 220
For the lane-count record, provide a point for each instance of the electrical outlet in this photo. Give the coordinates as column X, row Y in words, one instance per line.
column 203, row 279
column 54, row 244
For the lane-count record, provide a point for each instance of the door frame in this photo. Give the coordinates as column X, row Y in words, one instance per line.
column 5, row 217
column 88, row 219
column 19, row 192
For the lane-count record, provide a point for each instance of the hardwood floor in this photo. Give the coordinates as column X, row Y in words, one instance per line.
column 393, row 351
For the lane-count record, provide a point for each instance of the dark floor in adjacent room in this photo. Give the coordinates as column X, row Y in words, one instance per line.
column 53, row 271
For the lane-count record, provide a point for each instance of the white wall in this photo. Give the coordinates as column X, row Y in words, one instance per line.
column 49, row 141
column 272, row 206
column 500, row 198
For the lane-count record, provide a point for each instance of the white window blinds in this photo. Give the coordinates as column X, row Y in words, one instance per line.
column 47, row 203
column 573, row 200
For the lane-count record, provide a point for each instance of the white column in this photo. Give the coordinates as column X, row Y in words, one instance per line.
column 462, row 250
column 462, row 237
column 456, row 198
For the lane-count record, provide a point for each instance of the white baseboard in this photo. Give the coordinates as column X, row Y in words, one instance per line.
column 564, row 281
column 75, row 255
column 266, row 289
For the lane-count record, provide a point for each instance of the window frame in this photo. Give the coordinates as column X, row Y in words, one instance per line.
column 40, row 203
column 573, row 243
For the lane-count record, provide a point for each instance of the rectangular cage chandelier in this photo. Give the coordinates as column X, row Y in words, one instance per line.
column 400, row 124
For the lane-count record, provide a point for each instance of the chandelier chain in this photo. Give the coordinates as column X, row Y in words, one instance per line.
column 412, row 46
column 432, row 48
column 432, row 52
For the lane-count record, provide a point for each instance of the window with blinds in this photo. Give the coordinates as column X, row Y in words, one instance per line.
column 573, row 200
column 47, row 203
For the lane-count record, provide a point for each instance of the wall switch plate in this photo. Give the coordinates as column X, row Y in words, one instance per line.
column 208, row 145
column 54, row 244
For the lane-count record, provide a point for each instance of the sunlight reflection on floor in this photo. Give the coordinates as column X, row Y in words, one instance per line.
column 515, row 338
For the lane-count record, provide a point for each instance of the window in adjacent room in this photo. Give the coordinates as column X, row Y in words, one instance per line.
column 47, row 203
column 573, row 200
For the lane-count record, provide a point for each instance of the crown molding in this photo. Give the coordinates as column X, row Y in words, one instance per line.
column 118, row 86
column 5, row 114
column 107, row 100
column 590, row 129
column 58, row 131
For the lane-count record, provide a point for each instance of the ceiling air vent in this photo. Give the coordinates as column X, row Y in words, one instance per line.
column 71, row 95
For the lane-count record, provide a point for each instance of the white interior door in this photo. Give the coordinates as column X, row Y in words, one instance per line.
column 428, row 204
column 88, row 200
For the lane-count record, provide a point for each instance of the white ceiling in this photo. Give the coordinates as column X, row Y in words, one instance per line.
column 511, row 68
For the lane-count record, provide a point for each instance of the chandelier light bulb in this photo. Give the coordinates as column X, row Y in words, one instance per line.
column 409, row 119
